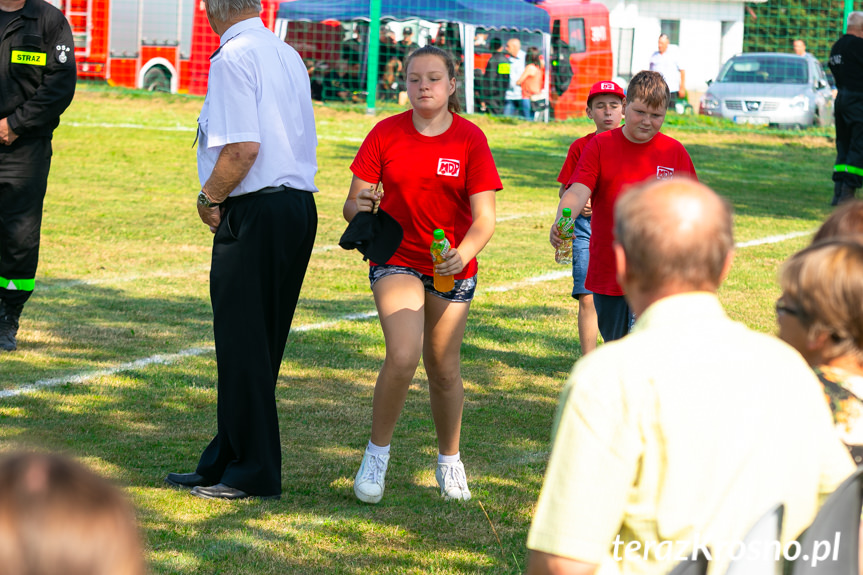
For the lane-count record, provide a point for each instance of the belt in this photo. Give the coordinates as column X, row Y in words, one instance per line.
column 261, row 192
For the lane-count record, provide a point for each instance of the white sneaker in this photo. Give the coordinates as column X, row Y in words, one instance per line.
column 453, row 481
column 369, row 482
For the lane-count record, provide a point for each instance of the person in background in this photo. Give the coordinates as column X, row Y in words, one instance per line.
column 846, row 221
column 37, row 83
column 496, row 78
column 846, row 64
column 820, row 314
column 605, row 104
column 666, row 61
column 438, row 172
column 515, row 103
column 57, row 517
column 690, row 428
column 407, row 44
column 531, row 81
column 315, row 82
column 799, row 47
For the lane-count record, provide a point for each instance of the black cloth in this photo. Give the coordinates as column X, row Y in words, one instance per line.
column 37, row 83
column 846, row 64
column 496, row 82
column 260, row 254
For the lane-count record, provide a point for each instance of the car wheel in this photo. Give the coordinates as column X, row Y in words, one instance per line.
column 157, row 80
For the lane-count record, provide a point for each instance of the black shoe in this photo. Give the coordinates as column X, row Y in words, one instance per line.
column 187, row 480
column 222, row 491
column 847, row 194
column 837, row 191
column 9, row 326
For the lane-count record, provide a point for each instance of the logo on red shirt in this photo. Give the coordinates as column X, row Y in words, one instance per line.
column 447, row 167
column 664, row 173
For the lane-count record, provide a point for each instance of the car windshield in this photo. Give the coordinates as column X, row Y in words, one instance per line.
column 765, row 70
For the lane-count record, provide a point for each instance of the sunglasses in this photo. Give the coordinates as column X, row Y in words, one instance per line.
column 782, row 309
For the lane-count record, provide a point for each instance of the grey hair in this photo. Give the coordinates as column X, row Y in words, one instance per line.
column 855, row 19
column 224, row 10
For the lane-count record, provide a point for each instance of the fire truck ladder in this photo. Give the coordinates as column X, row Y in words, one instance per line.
column 80, row 15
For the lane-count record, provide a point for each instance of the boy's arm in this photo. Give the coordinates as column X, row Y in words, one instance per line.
column 575, row 198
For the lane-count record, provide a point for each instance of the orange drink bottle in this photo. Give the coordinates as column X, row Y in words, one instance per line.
column 439, row 247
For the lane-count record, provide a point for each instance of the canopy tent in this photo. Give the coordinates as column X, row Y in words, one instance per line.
column 502, row 14
column 468, row 14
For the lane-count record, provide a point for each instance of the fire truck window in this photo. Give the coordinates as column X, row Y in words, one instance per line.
column 576, row 35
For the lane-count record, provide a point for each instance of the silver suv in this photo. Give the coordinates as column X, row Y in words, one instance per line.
column 783, row 90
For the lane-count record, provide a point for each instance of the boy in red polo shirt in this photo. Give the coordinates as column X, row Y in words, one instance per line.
column 611, row 163
column 605, row 107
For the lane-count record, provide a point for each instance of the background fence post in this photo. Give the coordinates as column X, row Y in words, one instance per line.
column 374, row 51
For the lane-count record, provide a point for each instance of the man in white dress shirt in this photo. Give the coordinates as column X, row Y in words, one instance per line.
column 666, row 61
column 256, row 165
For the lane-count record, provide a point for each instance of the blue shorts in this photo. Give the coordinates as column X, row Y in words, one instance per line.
column 462, row 292
column 580, row 256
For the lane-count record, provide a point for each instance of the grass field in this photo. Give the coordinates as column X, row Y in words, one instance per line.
column 117, row 341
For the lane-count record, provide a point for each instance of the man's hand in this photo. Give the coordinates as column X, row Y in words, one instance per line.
column 7, row 136
column 210, row 216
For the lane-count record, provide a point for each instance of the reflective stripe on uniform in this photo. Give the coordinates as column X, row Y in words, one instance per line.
column 849, row 169
column 32, row 58
column 17, row 285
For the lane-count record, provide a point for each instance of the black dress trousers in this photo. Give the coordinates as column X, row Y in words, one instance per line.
column 260, row 254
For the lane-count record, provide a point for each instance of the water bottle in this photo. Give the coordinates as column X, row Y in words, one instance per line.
column 566, row 229
column 439, row 247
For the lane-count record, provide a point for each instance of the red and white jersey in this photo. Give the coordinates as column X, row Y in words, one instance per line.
column 427, row 182
column 608, row 166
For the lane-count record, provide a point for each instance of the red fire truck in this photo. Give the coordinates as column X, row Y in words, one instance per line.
column 151, row 44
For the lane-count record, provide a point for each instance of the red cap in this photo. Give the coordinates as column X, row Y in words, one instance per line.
column 605, row 87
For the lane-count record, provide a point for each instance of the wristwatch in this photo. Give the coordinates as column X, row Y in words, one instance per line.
column 203, row 200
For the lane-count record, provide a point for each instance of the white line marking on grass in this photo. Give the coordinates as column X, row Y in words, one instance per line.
column 83, row 377
column 772, row 239
column 131, row 126
column 127, row 126
column 88, row 375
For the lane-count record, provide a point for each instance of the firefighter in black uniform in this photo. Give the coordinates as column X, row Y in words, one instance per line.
column 846, row 63
column 495, row 81
column 37, row 82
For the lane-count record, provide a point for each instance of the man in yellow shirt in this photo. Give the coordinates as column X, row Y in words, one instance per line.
column 680, row 436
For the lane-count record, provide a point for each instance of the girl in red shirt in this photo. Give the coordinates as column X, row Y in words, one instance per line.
column 437, row 172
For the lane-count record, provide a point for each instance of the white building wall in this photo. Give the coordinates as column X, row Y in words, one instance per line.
column 710, row 33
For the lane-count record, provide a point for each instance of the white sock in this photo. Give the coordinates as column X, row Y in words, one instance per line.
column 449, row 459
column 377, row 449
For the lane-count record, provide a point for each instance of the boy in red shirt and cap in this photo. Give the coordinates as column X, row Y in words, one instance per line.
column 605, row 107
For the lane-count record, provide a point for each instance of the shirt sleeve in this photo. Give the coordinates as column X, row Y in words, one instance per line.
column 569, row 164
column 587, row 169
column 593, row 465
column 233, row 106
column 368, row 163
column 482, row 173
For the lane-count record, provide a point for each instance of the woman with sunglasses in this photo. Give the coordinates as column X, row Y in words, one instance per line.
column 820, row 314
